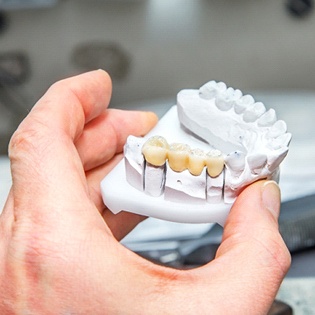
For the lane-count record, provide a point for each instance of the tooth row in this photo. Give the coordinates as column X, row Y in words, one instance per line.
column 229, row 120
column 227, row 98
column 180, row 157
column 155, row 167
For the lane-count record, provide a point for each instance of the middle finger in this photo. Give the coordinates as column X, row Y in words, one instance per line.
column 105, row 136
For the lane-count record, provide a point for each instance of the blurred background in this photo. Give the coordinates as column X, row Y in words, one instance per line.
column 154, row 48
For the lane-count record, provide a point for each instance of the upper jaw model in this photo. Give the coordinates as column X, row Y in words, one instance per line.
column 196, row 161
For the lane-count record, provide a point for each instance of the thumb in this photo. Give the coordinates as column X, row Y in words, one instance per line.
column 253, row 216
column 252, row 259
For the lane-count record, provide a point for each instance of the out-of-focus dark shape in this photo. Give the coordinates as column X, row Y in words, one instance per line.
column 300, row 8
column 14, row 68
column 102, row 55
column 3, row 22
column 297, row 223
column 280, row 308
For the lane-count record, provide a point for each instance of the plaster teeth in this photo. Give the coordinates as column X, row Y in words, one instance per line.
column 196, row 161
column 212, row 89
column 155, row 150
column 235, row 162
column 256, row 162
column 281, row 141
column 241, row 104
column 254, row 112
column 226, row 100
column 252, row 140
column 267, row 119
column 276, row 158
column 178, row 156
column 279, row 128
column 285, row 139
column 215, row 163
column 235, row 94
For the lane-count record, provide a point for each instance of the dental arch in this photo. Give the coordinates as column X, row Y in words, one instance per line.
column 244, row 142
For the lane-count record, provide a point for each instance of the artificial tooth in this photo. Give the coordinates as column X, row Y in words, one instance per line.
column 268, row 118
column 235, row 161
column 256, row 162
column 214, row 163
column 254, row 112
column 178, row 156
column 196, row 161
column 241, row 104
column 212, row 89
column 279, row 128
column 155, row 150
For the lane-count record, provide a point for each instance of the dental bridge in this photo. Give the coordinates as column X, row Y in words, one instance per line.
column 192, row 166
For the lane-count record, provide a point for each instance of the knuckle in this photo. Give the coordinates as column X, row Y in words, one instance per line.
column 26, row 141
column 21, row 141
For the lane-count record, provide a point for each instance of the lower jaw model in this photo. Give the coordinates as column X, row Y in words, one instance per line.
column 192, row 166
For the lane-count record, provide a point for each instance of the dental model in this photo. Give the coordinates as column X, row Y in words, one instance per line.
column 196, row 161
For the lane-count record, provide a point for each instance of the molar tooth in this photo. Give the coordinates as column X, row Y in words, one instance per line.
column 178, row 156
column 222, row 102
column 155, row 150
column 279, row 128
column 235, row 94
column 196, row 161
column 268, row 118
column 211, row 89
column 242, row 103
column 225, row 100
column 256, row 162
column 214, row 162
column 254, row 112
column 235, row 161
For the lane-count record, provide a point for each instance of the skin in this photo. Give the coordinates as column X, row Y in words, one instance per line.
column 59, row 250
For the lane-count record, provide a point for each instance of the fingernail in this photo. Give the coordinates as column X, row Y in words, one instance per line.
column 271, row 197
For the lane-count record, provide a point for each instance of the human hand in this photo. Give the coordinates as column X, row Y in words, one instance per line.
column 59, row 252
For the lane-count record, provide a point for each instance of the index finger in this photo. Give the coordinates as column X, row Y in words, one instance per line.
column 43, row 156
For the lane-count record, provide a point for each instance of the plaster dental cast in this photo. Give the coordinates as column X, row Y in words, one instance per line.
column 200, row 156
column 59, row 244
